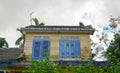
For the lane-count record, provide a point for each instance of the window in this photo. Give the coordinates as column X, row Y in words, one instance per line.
column 40, row 49
column 69, row 47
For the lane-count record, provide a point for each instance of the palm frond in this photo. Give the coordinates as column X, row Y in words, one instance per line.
column 3, row 43
column 18, row 29
column 42, row 24
column 19, row 40
column 6, row 44
column 36, row 21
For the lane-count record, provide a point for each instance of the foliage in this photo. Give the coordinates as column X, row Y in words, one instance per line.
column 36, row 21
column 93, row 55
column 105, row 46
column 86, row 69
column 44, row 66
column 95, row 69
column 3, row 43
column 21, row 40
column 81, row 24
column 114, row 48
column 90, row 68
column 89, row 26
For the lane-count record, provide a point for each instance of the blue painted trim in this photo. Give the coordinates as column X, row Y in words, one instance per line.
column 83, row 63
column 61, row 63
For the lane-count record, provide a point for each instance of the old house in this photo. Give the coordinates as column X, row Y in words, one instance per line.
column 58, row 43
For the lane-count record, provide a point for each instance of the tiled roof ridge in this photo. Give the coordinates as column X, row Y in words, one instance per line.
column 34, row 26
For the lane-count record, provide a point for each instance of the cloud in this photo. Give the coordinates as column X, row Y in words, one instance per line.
column 15, row 13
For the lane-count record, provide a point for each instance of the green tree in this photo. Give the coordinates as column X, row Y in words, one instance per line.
column 104, row 41
column 21, row 40
column 37, row 23
column 114, row 45
column 3, row 43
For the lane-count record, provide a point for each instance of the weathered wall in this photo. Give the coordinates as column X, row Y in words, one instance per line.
column 54, row 48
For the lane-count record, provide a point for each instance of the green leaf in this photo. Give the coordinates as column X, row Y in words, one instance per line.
column 36, row 21
column 18, row 41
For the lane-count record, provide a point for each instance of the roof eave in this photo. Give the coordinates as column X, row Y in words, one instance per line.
column 66, row 29
column 89, row 32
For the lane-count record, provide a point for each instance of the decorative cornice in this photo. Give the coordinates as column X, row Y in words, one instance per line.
column 79, row 29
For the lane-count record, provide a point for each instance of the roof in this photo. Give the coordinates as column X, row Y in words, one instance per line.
column 78, row 29
column 7, row 54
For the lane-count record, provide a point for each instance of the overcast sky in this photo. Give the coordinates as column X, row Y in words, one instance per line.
column 15, row 13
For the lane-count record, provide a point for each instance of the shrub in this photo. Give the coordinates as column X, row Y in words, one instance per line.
column 45, row 66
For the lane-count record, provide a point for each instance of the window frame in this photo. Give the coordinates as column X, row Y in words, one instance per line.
column 69, row 38
column 41, row 40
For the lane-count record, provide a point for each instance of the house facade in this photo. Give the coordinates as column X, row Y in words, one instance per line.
column 57, row 43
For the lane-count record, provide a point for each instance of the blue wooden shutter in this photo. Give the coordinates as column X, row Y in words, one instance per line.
column 45, row 47
column 69, row 48
column 62, row 49
column 40, row 49
column 36, row 49
column 77, row 48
